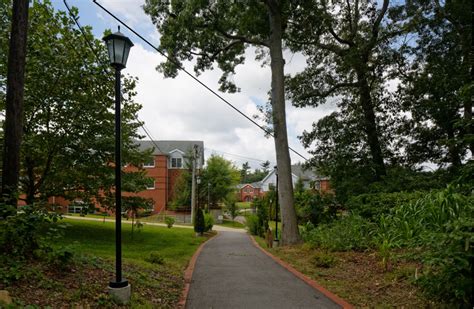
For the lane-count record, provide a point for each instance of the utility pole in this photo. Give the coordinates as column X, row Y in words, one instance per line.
column 193, row 184
column 208, row 195
column 14, row 101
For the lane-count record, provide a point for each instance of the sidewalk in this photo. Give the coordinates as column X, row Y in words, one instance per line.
column 231, row 272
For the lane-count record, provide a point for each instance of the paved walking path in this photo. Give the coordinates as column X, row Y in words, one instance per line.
column 231, row 272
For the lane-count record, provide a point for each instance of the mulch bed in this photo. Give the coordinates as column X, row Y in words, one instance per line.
column 359, row 277
column 84, row 285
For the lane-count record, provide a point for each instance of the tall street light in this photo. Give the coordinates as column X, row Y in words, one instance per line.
column 198, row 182
column 118, row 46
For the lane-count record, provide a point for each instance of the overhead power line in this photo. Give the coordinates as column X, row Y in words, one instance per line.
column 179, row 66
column 238, row 156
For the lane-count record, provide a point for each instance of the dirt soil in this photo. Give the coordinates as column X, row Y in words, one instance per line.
column 359, row 277
column 84, row 285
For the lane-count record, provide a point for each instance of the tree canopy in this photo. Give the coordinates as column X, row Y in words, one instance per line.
column 68, row 116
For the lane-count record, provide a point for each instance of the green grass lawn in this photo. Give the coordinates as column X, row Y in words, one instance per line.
column 244, row 205
column 175, row 245
column 233, row 224
column 85, row 263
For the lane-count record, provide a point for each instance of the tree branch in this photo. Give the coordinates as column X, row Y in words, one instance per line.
column 317, row 93
column 376, row 25
column 331, row 29
column 241, row 38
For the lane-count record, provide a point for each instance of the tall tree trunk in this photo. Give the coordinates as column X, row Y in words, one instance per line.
column 14, row 102
column 290, row 234
column 453, row 149
column 370, row 125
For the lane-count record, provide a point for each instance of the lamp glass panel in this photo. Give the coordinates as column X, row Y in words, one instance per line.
column 110, row 50
column 125, row 55
column 119, row 48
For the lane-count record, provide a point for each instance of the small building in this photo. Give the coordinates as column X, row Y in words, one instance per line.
column 310, row 179
column 249, row 191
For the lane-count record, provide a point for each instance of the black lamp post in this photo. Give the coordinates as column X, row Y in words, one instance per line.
column 276, row 205
column 198, row 182
column 208, row 195
column 118, row 46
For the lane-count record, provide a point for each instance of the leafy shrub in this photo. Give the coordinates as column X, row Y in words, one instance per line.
column 61, row 258
column 199, row 223
column 315, row 207
column 442, row 223
column 208, row 222
column 349, row 233
column 155, row 258
column 373, row 205
column 323, row 260
column 262, row 207
column 252, row 224
column 29, row 233
column 144, row 213
column 170, row 221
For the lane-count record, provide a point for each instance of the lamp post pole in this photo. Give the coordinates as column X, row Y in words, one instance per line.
column 276, row 205
column 208, row 195
column 118, row 47
column 118, row 186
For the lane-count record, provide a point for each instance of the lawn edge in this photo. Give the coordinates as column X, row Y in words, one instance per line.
column 188, row 273
column 338, row 300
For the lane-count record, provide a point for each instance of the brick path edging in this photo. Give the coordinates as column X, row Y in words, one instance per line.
column 188, row 274
column 341, row 302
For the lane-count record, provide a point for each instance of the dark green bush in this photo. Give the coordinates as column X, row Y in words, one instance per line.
column 252, row 224
column 315, row 207
column 155, row 258
column 262, row 207
column 169, row 221
column 208, row 222
column 373, row 205
column 29, row 233
column 199, row 223
column 349, row 233
column 324, row 260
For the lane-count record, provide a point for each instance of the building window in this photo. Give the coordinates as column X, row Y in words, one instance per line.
column 176, row 162
column 317, row 185
column 149, row 163
column 150, row 184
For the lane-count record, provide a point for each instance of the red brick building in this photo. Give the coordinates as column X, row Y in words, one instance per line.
column 249, row 191
column 310, row 179
column 169, row 159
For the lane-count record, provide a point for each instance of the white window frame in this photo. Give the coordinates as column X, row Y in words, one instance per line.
column 146, row 165
column 151, row 188
column 176, row 159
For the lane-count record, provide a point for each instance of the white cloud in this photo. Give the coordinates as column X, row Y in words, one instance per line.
column 182, row 109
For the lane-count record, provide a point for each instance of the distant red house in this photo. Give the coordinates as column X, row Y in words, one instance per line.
column 249, row 191
column 164, row 167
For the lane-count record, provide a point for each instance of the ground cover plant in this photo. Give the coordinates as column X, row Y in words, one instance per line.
column 435, row 231
column 154, row 260
column 357, row 276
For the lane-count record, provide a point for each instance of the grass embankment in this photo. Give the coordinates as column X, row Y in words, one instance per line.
column 244, row 205
column 233, row 224
column 153, row 262
column 357, row 277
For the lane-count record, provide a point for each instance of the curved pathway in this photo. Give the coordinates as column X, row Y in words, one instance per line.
column 231, row 272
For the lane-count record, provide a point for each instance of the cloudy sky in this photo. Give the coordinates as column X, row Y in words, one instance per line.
column 181, row 109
